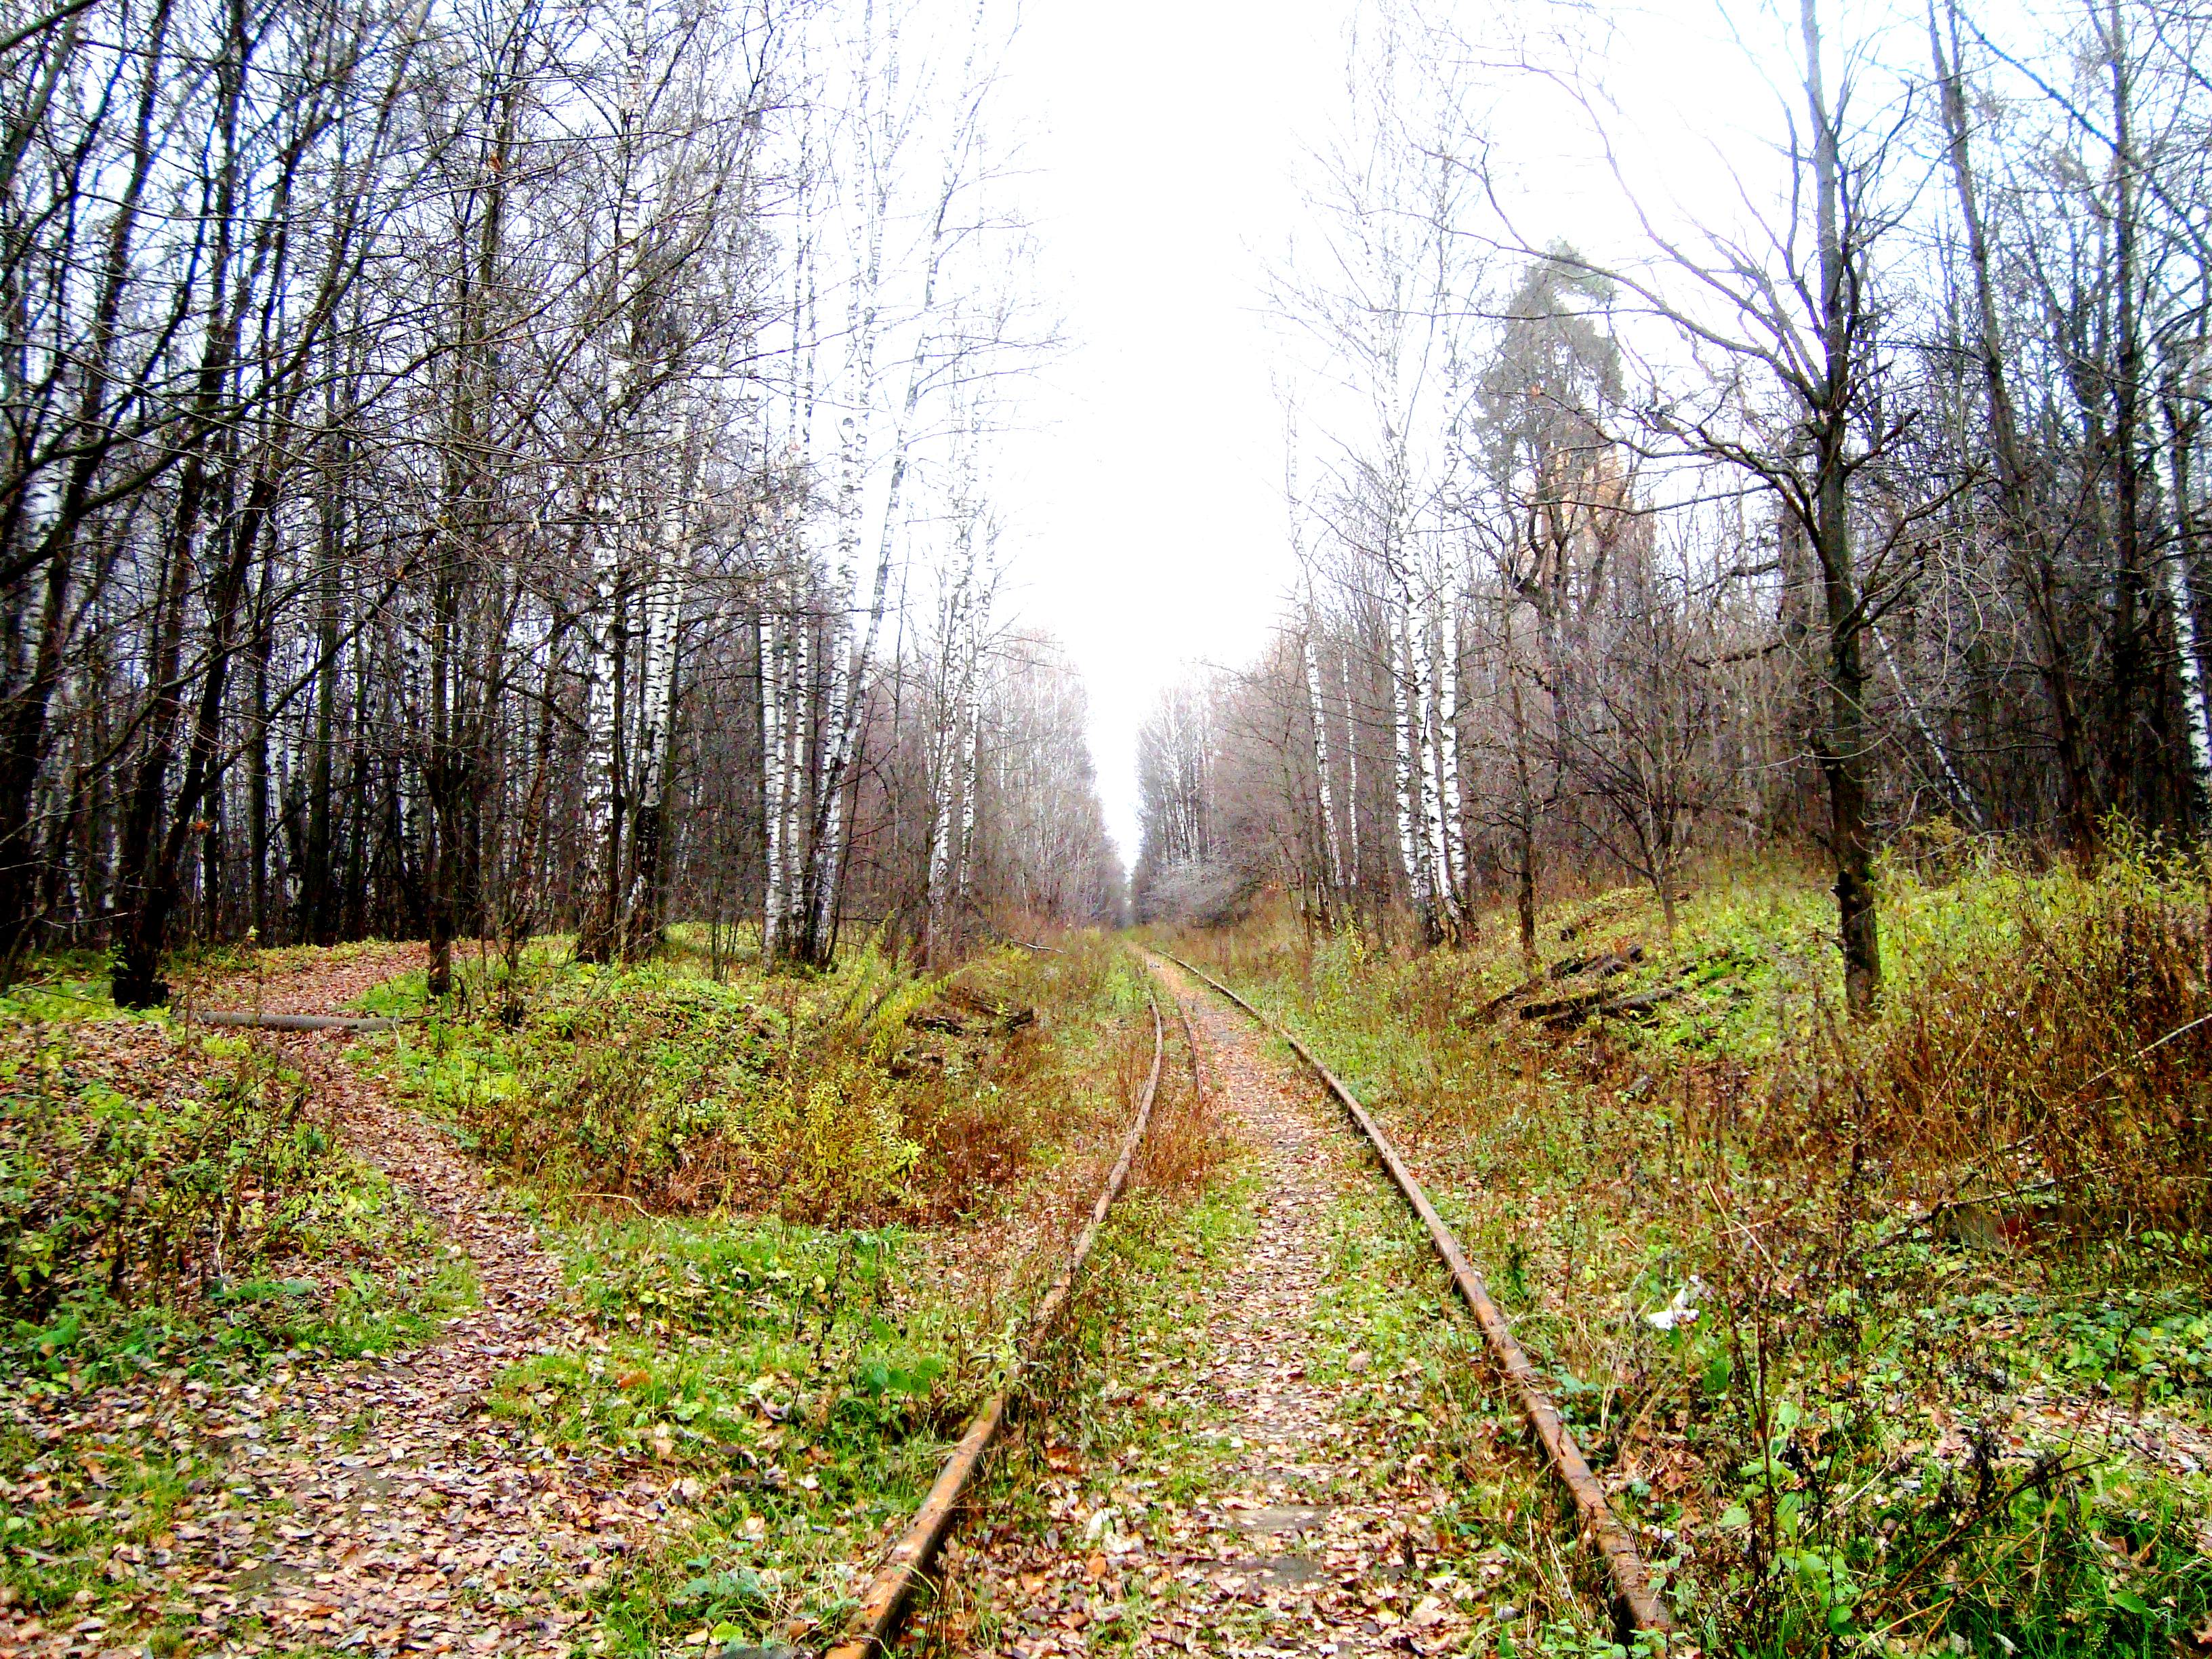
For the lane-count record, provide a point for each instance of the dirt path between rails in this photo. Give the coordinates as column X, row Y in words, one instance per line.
column 368, row 1505
column 1298, row 1542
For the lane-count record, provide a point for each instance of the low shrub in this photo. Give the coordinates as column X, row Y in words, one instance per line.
column 869, row 1092
column 1949, row 1268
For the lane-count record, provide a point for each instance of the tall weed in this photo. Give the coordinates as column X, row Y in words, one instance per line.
column 166, row 1197
column 1940, row 1261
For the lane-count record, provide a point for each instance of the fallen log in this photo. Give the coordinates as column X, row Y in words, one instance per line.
column 292, row 1022
column 1496, row 1005
column 1600, row 1007
column 1603, row 1004
column 1599, row 1002
column 1606, row 965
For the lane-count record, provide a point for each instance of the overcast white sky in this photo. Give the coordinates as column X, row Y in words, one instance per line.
column 1144, row 496
column 1162, row 139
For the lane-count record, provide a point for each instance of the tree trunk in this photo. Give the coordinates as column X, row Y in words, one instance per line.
column 1843, row 749
column 2026, row 543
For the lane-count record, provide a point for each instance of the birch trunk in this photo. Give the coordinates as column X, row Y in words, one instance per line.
column 1455, row 803
column 1350, row 772
column 850, row 671
column 663, row 618
column 1331, row 846
column 599, row 886
column 1959, row 791
column 2172, row 459
column 1406, row 693
column 775, row 781
column 1442, row 716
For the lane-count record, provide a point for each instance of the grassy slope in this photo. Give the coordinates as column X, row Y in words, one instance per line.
column 801, row 1229
column 1951, row 1371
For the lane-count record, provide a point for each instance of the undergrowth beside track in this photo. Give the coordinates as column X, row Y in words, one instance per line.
column 1931, row 1364
column 801, row 1215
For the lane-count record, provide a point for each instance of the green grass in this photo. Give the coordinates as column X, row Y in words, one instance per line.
column 776, row 1346
column 769, row 1369
column 1386, row 1336
column 816, row 1096
column 175, row 1215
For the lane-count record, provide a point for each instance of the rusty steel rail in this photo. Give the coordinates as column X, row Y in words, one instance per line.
column 872, row 1627
column 1636, row 1604
column 1190, row 1051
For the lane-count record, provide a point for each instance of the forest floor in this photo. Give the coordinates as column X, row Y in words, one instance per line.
column 636, row 1321
column 1892, row 1335
column 363, row 1504
column 1274, row 1446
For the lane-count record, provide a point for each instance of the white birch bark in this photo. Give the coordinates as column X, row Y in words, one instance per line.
column 775, row 781
column 943, row 744
column 1455, row 793
column 1405, row 703
column 1332, row 851
column 850, row 669
column 603, row 637
column 963, row 862
column 2196, row 711
column 663, row 618
column 1318, row 712
column 1443, row 717
column 1351, row 769
column 982, row 608
column 845, row 675
column 1959, row 791
column 604, row 781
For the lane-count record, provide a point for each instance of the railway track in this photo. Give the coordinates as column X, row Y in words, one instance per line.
column 883, row 1604
column 1636, row 1605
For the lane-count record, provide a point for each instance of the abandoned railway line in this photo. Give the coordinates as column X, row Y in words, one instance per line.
column 884, row 1602
column 1637, row 1604
column 1258, row 1389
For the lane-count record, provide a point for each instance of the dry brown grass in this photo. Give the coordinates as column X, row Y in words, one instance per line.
column 1187, row 1146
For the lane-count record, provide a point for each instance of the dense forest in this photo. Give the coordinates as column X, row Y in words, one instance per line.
column 479, row 470
column 1874, row 504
